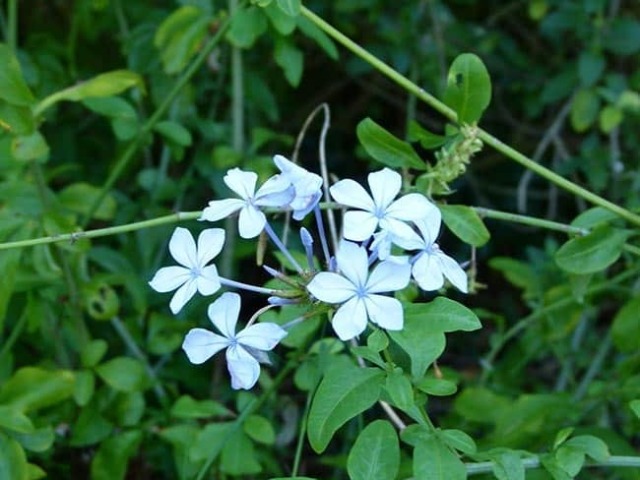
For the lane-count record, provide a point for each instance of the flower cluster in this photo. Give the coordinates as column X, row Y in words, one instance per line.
column 387, row 241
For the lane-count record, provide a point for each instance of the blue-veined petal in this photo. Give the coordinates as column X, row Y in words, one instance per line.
column 219, row 209
column 251, row 222
column 427, row 271
column 429, row 225
column 208, row 281
column 224, row 312
column 352, row 194
column 358, row 225
column 241, row 182
column 168, row 279
column 411, row 207
column 183, row 247
column 389, row 276
column 243, row 368
column 453, row 272
column 200, row 345
column 386, row 312
column 183, row 295
column 350, row 319
column 210, row 242
column 353, row 263
column 261, row 336
column 331, row 288
column 385, row 186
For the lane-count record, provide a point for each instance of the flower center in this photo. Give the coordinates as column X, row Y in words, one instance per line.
column 195, row 272
column 361, row 291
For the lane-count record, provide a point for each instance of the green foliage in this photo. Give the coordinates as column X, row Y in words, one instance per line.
column 468, row 90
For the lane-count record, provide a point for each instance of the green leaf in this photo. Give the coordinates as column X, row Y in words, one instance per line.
column 11, row 418
column 92, row 352
column 623, row 36
column 625, row 329
column 39, row 440
column 290, row 59
column 433, row 460
column 290, row 7
column 123, row 117
column 375, row 454
column 590, row 68
column 377, row 340
column 386, row 148
column 238, row 456
column 610, row 117
column 590, row 445
column 459, row 440
column 110, row 462
column 400, row 390
column 90, row 428
column 437, row 387
column 443, row 315
column 345, row 391
column 84, row 387
column 79, row 197
column 124, row 374
column 428, row 140
column 569, row 459
column 594, row 217
column 283, row 23
column 585, row 107
column 465, row 223
column 635, row 407
column 30, row 147
column 593, row 252
column 259, row 429
column 308, row 28
column 508, row 466
column 174, row 132
column 13, row 461
column 187, row 407
column 210, row 440
column 16, row 119
column 103, row 85
column 247, row 25
column 32, row 388
column 127, row 409
column 13, row 88
column 468, row 89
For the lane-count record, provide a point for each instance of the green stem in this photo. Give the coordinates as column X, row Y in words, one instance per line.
column 103, row 232
column 13, row 337
column 528, row 320
column 130, row 151
column 301, row 436
column 254, row 405
column 532, row 221
column 487, row 138
column 531, row 463
column 12, row 25
column 594, row 368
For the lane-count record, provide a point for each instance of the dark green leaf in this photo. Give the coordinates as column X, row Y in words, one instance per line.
column 247, row 25
column 590, row 68
column 259, row 429
column 11, row 418
column 285, row 24
column 290, row 59
column 308, row 28
column 386, row 148
column 174, row 132
column 187, row 407
column 84, row 387
column 210, row 440
column 124, row 374
column 375, row 454
column 593, row 252
column 238, row 456
column 625, row 329
column 345, row 391
column 623, row 36
column 39, row 440
column 468, row 90
column 92, row 352
column 465, row 223
column 110, row 462
column 428, row 140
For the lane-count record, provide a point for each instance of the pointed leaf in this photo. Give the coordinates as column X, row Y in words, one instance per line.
column 468, row 88
column 433, row 460
column 465, row 223
column 625, row 329
column 508, row 466
column 345, row 391
column 290, row 7
column 13, row 88
column 376, row 453
column 386, row 148
column 32, row 388
column 593, row 252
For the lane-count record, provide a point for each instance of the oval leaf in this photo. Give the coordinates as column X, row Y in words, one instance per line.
column 386, row 148
column 468, row 88
column 290, row 7
column 466, row 224
column 13, row 88
column 625, row 329
column 31, row 388
column 345, row 391
column 123, row 373
column 433, row 460
column 593, row 252
column 376, row 453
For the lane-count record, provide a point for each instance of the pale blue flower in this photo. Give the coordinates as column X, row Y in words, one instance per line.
column 193, row 274
column 358, row 293
column 245, row 349
column 307, row 186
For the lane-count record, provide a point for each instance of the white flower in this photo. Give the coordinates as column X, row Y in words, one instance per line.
column 357, row 291
column 432, row 265
column 307, row 186
column 193, row 274
column 244, row 350
column 275, row 192
column 378, row 209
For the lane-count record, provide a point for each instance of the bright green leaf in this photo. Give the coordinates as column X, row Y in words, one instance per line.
column 593, row 252
column 13, row 88
column 386, row 148
column 92, row 352
column 345, row 391
column 246, row 26
column 635, row 407
column 590, row 445
column 569, row 459
column 16, row 119
column 459, row 440
column 290, row 59
column 32, row 388
column 13, row 461
column 290, row 7
column 174, row 132
column 468, row 90
column 84, row 387
column 39, row 440
column 123, row 373
column 103, row 85
column 400, row 390
column 585, row 107
column 11, row 418
column 437, row 387
column 508, row 466
column 210, row 440
column 377, row 340
column 30, row 147
column 625, row 329
column 443, row 315
column 433, row 460
column 283, row 23
column 187, row 407
column 465, row 223
column 610, row 117
column 259, row 429
column 376, row 453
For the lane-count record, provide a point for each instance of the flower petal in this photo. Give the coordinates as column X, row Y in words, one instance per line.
column 183, row 295
column 183, row 247
column 251, row 222
column 353, row 263
column 168, row 279
column 208, row 281
column 331, row 288
column 411, row 207
column 224, row 312
column 262, row 336
column 358, row 225
column 427, row 272
column 352, row 194
column 275, row 192
column 210, row 242
column 454, row 272
column 241, row 182
column 350, row 319
column 200, row 345
column 385, row 186
column 385, row 311
column 398, row 228
column 429, row 225
column 219, row 209
column 389, row 276
column 243, row 368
